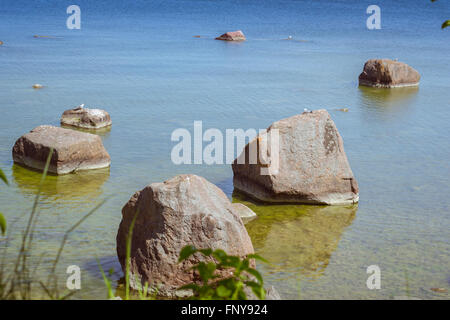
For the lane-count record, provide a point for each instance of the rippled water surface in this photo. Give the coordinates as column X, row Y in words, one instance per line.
column 140, row 62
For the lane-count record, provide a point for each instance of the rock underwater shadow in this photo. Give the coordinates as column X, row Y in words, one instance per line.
column 296, row 239
column 387, row 99
column 63, row 187
column 102, row 132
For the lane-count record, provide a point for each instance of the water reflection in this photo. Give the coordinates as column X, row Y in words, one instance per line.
column 102, row 132
column 297, row 239
column 65, row 187
column 384, row 99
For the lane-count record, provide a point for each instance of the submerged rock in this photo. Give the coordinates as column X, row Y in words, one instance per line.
column 72, row 150
column 271, row 294
column 299, row 240
column 65, row 188
column 406, row 298
column 232, row 36
column 386, row 73
column 244, row 212
column 86, row 118
column 312, row 166
column 439, row 290
column 185, row 210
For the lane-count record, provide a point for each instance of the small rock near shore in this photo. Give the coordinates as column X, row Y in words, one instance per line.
column 72, row 150
column 244, row 212
column 439, row 290
column 271, row 294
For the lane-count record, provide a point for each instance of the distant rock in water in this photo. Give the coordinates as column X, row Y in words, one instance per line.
column 185, row 210
column 312, row 164
column 232, row 36
column 38, row 36
column 72, row 150
column 86, row 118
column 1, row 42
column 37, row 86
column 386, row 73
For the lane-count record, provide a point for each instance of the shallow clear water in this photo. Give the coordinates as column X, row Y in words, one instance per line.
column 141, row 62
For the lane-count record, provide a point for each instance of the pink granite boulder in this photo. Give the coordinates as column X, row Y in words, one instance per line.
column 185, row 210
column 86, row 118
column 311, row 164
column 232, row 36
column 386, row 73
column 72, row 150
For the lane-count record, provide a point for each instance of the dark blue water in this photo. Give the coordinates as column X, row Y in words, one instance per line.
column 140, row 61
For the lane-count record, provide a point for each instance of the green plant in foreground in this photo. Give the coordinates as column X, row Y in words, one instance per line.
column 2, row 224
column 407, row 291
column 142, row 292
column 19, row 284
column 2, row 217
column 215, row 286
column 446, row 23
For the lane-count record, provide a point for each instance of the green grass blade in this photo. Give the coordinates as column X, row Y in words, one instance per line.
column 256, row 274
column 2, row 223
column 128, row 257
column 27, row 236
column 66, row 235
column 3, row 177
column 106, row 280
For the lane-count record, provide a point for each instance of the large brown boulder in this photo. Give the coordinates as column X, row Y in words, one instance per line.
column 185, row 210
column 312, row 165
column 81, row 117
column 72, row 150
column 386, row 73
column 232, row 36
